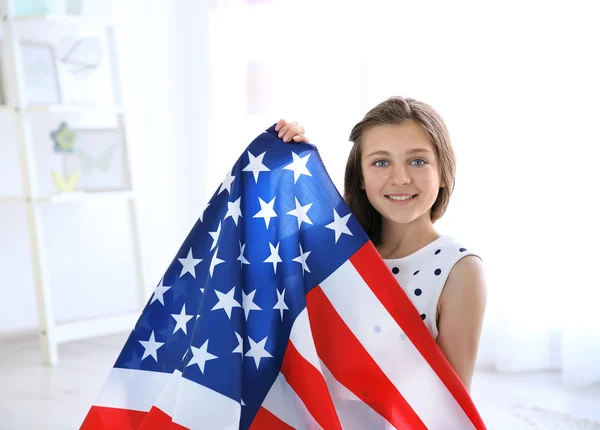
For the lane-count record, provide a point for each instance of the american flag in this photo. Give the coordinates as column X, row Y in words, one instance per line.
column 276, row 313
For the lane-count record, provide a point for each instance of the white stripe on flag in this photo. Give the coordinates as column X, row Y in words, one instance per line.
column 301, row 337
column 167, row 399
column 284, row 403
column 200, row 407
column 135, row 390
column 188, row 403
column 402, row 363
column 352, row 412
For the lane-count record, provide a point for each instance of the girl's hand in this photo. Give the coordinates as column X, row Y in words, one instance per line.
column 291, row 131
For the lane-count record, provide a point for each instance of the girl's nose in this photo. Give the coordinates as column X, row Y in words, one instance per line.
column 400, row 175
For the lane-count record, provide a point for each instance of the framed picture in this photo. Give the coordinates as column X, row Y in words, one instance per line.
column 40, row 7
column 98, row 158
column 84, row 70
column 41, row 75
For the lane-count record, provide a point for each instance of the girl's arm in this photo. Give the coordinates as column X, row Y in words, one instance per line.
column 460, row 318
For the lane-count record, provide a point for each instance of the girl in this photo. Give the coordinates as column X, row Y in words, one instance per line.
column 399, row 177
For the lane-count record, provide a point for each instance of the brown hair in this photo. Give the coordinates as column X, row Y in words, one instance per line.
column 397, row 110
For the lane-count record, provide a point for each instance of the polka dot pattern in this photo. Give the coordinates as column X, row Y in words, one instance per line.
column 422, row 276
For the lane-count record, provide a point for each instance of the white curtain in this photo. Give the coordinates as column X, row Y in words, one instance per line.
column 516, row 82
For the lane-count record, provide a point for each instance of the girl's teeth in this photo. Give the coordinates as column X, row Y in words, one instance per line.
column 400, row 198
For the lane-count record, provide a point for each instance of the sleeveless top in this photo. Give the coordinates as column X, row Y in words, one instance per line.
column 423, row 274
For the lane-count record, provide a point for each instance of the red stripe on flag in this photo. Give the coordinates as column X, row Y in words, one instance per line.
column 374, row 272
column 159, row 420
column 101, row 418
column 309, row 384
column 352, row 366
column 265, row 420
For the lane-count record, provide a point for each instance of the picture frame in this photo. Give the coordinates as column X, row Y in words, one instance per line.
column 85, row 70
column 100, row 160
column 40, row 72
column 39, row 7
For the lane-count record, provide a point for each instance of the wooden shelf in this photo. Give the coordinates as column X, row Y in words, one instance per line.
column 75, row 196
column 64, row 109
column 11, row 199
column 80, row 196
column 63, row 19
column 15, row 27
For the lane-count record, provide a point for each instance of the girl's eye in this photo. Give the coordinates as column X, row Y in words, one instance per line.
column 422, row 161
column 378, row 163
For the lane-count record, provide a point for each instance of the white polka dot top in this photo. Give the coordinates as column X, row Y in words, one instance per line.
column 423, row 274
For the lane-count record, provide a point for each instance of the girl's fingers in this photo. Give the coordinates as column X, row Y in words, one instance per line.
column 286, row 129
column 300, row 138
column 280, row 124
column 295, row 130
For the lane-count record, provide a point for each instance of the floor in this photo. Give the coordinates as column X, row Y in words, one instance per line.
column 38, row 397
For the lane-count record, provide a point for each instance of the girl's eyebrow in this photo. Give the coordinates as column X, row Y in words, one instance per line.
column 415, row 150
column 408, row 151
column 380, row 152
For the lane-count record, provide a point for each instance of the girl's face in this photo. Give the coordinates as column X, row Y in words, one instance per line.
column 400, row 171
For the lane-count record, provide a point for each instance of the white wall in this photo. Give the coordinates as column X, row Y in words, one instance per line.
column 162, row 48
column 517, row 84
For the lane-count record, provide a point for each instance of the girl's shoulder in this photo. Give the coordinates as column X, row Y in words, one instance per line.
column 453, row 247
column 445, row 250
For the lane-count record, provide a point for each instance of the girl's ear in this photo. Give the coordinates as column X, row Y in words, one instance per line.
column 362, row 184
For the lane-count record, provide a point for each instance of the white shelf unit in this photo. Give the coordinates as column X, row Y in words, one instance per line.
column 51, row 333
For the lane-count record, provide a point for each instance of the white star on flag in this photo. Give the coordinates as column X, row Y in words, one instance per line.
column 280, row 305
column 255, row 165
column 302, row 259
column 266, row 211
column 339, row 225
column 234, row 211
column 214, row 261
column 226, row 302
column 258, row 351
column 215, row 236
column 151, row 347
column 202, row 214
column 241, row 258
column 248, row 303
column 274, row 257
column 159, row 292
column 298, row 166
column 181, row 320
column 226, row 185
column 201, row 356
column 189, row 264
column 300, row 213
column 240, row 347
